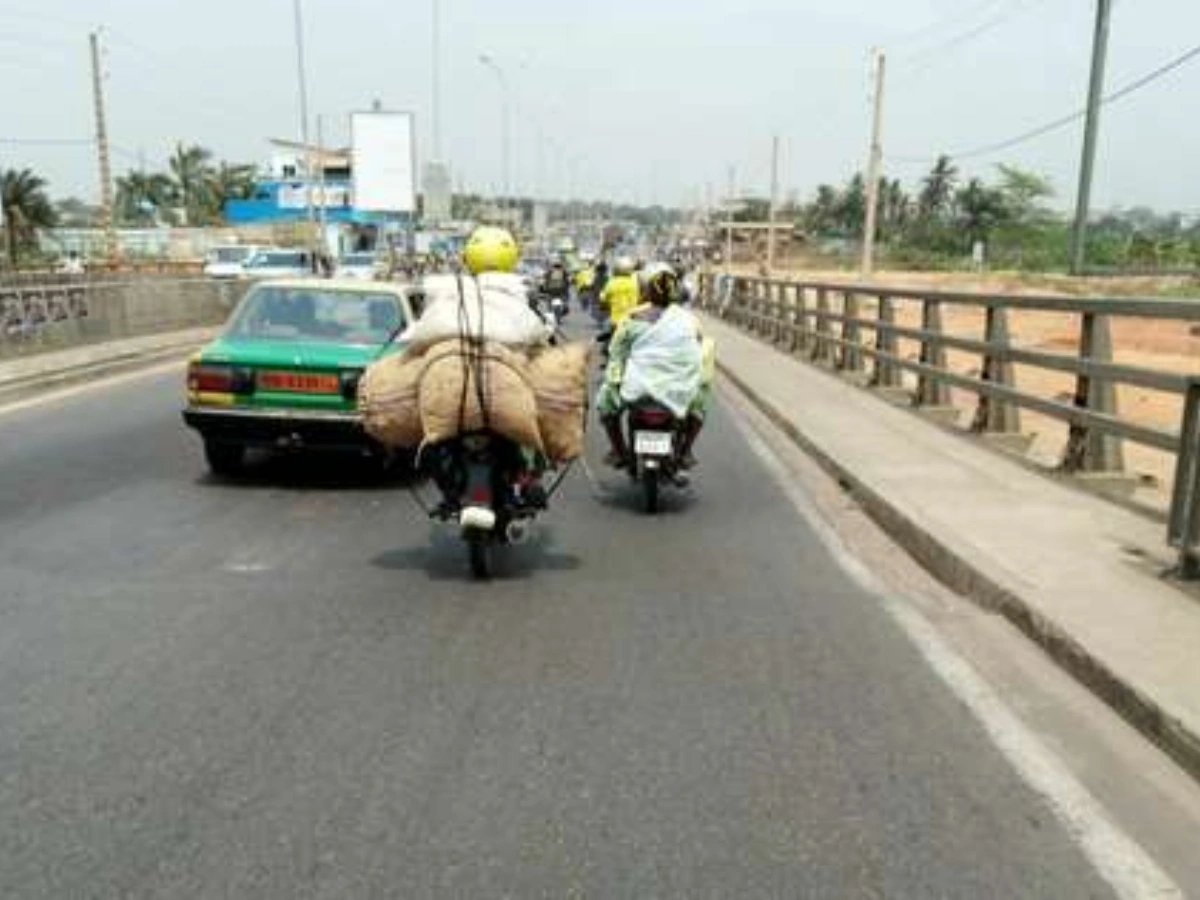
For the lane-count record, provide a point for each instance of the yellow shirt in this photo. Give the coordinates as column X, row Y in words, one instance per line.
column 620, row 296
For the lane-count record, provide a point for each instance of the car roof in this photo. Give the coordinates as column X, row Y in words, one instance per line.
column 349, row 286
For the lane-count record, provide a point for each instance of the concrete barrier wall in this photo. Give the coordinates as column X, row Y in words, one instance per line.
column 40, row 318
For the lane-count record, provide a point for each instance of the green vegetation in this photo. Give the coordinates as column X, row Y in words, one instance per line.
column 27, row 208
column 192, row 191
column 1010, row 213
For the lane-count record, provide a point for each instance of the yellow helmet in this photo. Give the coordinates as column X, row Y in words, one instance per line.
column 491, row 250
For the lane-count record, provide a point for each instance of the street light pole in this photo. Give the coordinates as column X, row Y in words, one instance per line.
column 505, row 127
column 1083, row 199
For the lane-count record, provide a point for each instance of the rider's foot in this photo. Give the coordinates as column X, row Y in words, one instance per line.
column 687, row 461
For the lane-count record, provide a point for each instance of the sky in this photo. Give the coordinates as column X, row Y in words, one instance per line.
column 647, row 102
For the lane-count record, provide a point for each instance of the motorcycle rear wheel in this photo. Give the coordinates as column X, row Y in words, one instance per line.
column 479, row 550
column 650, row 489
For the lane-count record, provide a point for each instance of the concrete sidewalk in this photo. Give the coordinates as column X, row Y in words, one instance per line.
column 1078, row 574
column 24, row 375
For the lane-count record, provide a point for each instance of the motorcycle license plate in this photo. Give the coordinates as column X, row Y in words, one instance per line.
column 653, row 443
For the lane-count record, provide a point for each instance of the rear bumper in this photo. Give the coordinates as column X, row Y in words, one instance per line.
column 282, row 429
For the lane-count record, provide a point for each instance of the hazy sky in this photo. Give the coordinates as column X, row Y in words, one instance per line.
column 648, row 100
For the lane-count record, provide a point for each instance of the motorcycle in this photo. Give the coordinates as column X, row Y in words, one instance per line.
column 490, row 489
column 655, row 440
column 558, row 306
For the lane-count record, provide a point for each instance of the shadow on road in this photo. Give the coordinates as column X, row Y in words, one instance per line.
column 316, row 472
column 444, row 557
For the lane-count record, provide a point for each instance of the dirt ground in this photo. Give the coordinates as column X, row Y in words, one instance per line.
column 1170, row 346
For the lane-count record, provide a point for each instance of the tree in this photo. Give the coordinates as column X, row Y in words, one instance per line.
column 142, row 196
column 851, row 207
column 228, row 181
column 820, row 216
column 937, row 191
column 190, row 171
column 895, row 208
column 27, row 208
column 979, row 210
column 1022, row 192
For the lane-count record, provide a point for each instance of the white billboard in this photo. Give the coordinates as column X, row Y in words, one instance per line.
column 383, row 161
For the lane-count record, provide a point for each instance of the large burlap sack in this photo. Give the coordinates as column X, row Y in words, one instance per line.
column 559, row 376
column 451, row 388
column 388, row 398
column 491, row 308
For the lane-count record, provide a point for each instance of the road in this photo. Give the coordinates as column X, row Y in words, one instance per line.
column 286, row 687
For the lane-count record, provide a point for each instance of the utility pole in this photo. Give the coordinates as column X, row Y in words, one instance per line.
column 437, row 81
column 324, row 200
column 729, row 219
column 106, row 194
column 773, row 206
column 1083, row 199
column 874, row 168
column 302, row 85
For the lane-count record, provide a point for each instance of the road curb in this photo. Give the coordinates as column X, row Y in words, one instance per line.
column 20, row 389
column 959, row 574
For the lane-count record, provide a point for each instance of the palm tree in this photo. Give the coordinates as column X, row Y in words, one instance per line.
column 141, row 195
column 980, row 209
column 26, row 207
column 937, row 190
column 190, row 170
column 228, row 181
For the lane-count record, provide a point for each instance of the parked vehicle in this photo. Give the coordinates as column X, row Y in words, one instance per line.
column 284, row 373
column 655, row 438
column 277, row 263
column 229, row 261
column 361, row 266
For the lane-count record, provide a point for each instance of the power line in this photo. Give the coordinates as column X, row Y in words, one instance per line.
column 1061, row 122
column 46, row 142
column 925, row 59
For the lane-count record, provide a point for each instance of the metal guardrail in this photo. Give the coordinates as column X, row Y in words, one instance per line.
column 824, row 322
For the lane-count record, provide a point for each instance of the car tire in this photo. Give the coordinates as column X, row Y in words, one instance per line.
column 224, row 458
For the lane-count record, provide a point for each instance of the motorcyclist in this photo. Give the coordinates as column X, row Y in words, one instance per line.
column 687, row 366
column 491, row 255
column 557, row 281
column 620, row 295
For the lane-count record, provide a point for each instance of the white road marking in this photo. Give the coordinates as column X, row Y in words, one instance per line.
column 61, row 394
column 1116, row 856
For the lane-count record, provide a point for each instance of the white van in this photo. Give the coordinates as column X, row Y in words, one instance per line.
column 229, row 261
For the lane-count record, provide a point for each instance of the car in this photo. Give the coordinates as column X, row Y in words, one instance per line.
column 275, row 263
column 229, row 260
column 284, row 372
column 361, row 266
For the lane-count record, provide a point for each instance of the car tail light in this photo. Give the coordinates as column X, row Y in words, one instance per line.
column 216, row 379
column 210, row 379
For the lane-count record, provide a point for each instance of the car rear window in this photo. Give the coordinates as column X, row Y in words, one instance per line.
column 318, row 314
column 295, row 260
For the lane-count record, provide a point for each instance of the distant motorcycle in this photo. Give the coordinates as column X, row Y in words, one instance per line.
column 655, row 439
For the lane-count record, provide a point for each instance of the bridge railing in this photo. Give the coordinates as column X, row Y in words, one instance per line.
column 864, row 329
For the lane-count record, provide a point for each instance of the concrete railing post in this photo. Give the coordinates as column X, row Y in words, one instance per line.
column 1089, row 450
column 932, row 392
column 805, row 334
column 992, row 415
column 850, row 359
column 886, row 373
column 822, row 344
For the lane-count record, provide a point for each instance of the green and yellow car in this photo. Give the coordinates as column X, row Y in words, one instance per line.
column 284, row 373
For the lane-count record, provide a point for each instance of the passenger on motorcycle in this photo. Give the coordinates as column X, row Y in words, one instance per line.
column 658, row 351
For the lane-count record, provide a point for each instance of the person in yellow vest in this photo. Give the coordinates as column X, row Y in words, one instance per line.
column 621, row 296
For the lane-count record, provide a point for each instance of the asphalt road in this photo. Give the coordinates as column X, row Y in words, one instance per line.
column 287, row 687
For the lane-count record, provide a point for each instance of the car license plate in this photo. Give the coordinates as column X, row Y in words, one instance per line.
column 300, row 382
column 653, row 443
